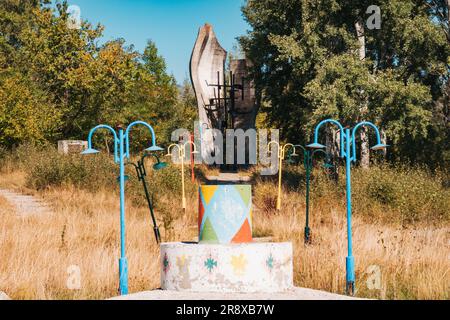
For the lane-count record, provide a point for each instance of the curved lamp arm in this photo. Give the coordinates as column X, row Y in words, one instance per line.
column 173, row 145
column 316, row 133
column 317, row 151
column 154, row 147
column 194, row 149
column 283, row 150
column 278, row 146
column 116, row 140
column 305, row 153
column 378, row 146
column 301, row 147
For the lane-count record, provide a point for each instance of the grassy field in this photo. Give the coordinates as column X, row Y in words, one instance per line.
column 403, row 240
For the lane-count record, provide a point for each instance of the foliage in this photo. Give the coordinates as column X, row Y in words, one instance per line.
column 307, row 68
column 395, row 193
column 57, row 82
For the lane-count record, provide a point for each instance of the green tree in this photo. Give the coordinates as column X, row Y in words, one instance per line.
column 316, row 59
column 57, row 82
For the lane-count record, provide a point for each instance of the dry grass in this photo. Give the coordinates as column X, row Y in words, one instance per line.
column 84, row 231
column 413, row 261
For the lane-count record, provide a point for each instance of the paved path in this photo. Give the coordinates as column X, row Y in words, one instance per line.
column 294, row 294
column 25, row 205
column 3, row 296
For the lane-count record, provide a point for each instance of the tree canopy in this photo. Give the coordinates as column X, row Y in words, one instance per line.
column 57, row 82
column 308, row 66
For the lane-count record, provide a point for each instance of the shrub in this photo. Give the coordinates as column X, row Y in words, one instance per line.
column 413, row 194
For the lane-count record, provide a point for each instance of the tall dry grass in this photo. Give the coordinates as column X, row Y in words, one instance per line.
column 413, row 260
column 411, row 250
column 82, row 231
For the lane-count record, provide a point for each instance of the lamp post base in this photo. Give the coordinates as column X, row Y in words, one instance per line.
column 123, row 276
column 350, row 276
column 307, row 235
column 350, row 289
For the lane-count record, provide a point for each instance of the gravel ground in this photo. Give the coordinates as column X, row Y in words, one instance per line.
column 294, row 294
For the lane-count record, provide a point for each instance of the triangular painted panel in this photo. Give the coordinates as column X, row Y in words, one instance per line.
column 244, row 234
column 201, row 212
column 208, row 193
column 245, row 192
column 208, row 234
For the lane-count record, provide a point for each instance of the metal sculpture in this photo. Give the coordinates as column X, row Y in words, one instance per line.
column 348, row 152
column 226, row 99
column 122, row 153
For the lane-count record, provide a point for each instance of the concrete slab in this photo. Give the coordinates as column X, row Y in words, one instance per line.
column 243, row 267
column 3, row 296
column 228, row 178
column 294, row 294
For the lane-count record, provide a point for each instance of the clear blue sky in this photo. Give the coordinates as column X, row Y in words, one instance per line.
column 171, row 24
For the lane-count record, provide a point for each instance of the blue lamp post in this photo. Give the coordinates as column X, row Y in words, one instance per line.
column 348, row 151
column 122, row 153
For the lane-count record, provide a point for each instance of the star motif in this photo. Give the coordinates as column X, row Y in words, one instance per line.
column 166, row 263
column 182, row 261
column 210, row 264
column 269, row 262
column 239, row 264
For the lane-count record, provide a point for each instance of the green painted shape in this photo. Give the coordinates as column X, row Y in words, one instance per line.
column 208, row 234
column 245, row 192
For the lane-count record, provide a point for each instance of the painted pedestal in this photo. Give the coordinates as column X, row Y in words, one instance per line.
column 226, row 259
column 225, row 214
column 246, row 267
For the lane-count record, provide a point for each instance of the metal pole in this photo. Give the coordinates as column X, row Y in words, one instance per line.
column 308, row 173
column 350, row 261
column 123, row 263
column 182, row 154
column 141, row 174
column 279, row 182
column 192, row 159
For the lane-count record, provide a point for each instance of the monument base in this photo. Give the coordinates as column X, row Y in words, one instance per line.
column 245, row 268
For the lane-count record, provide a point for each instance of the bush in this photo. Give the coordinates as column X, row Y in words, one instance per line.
column 392, row 193
column 415, row 194
column 47, row 168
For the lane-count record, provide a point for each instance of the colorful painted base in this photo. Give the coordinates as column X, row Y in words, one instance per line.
column 246, row 267
column 225, row 214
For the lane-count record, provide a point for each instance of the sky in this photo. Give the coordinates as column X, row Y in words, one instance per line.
column 172, row 24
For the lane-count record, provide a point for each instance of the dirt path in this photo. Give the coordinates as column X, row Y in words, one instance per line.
column 25, row 205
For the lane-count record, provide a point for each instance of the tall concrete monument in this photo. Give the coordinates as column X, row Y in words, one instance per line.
column 225, row 98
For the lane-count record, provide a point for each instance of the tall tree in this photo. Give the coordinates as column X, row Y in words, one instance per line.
column 57, row 81
column 315, row 59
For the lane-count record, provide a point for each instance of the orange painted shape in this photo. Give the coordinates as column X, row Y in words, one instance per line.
column 244, row 234
column 201, row 212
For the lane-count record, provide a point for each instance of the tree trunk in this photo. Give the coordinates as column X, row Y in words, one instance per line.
column 365, row 155
column 333, row 148
column 447, row 2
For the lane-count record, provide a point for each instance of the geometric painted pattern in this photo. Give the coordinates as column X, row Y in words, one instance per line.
column 225, row 214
